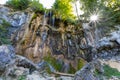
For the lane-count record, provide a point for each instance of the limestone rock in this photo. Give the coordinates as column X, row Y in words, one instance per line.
column 88, row 71
column 7, row 56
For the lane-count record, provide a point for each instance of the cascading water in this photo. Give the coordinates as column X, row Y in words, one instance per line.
column 43, row 34
column 36, row 47
column 53, row 21
column 51, row 18
column 89, row 34
column 92, row 34
column 50, row 15
column 97, row 34
column 44, row 17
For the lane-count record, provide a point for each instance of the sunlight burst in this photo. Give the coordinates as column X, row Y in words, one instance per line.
column 94, row 18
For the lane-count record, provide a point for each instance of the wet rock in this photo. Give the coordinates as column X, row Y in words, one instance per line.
column 7, row 57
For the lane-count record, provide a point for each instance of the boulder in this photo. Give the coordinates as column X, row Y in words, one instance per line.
column 89, row 70
column 110, row 40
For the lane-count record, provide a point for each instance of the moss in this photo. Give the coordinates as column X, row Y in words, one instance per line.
column 3, row 32
column 21, row 77
column 96, row 72
column 81, row 63
column 72, row 70
column 109, row 72
column 34, row 16
column 5, row 23
column 5, row 40
column 51, row 60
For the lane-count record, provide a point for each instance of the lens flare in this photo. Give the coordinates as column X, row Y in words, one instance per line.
column 94, row 18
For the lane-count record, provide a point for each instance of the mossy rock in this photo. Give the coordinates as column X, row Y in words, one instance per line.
column 53, row 62
column 81, row 63
column 72, row 70
column 3, row 32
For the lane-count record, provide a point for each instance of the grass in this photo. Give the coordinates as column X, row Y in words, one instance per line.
column 109, row 72
column 53, row 62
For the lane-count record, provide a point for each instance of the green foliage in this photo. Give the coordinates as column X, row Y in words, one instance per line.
column 3, row 32
column 63, row 9
column 24, row 4
column 72, row 21
column 72, row 70
column 18, row 4
column 53, row 62
column 109, row 72
column 22, row 77
column 36, row 6
column 107, row 9
column 81, row 63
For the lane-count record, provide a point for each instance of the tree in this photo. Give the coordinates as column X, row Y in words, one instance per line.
column 63, row 9
column 108, row 10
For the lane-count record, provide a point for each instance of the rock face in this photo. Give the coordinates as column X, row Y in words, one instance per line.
column 110, row 40
column 15, row 19
column 109, row 46
column 34, row 36
column 16, row 67
column 7, row 56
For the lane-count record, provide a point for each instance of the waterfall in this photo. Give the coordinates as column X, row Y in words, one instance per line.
column 53, row 21
column 44, row 20
column 89, row 34
column 50, row 15
column 44, row 63
column 97, row 35
column 92, row 34
column 35, row 49
column 44, row 29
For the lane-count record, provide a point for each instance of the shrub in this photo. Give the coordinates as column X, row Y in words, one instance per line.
column 24, row 4
column 36, row 6
column 3, row 32
column 51, row 60
column 18, row 4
